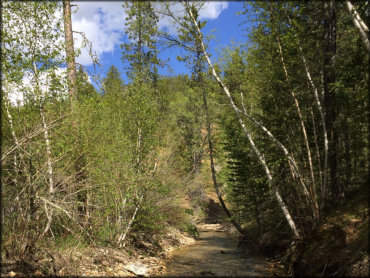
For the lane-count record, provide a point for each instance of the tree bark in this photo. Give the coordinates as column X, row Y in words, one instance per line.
column 360, row 25
column 10, row 119
column 49, row 213
column 70, row 54
column 138, row 147
column 316, row 145
column 73, row 95
column 122, row 237
column 200, row 81
column 329, row 78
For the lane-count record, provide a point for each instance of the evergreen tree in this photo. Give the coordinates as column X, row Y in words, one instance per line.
column 84, row 88
column 142, row 31
column 113, row 84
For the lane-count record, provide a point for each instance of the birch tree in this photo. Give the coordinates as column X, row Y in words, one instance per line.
column 303, row 127
column 198, row 67
column 360, row 24
column 140, row 56
column 187, row 23
column 31, row 50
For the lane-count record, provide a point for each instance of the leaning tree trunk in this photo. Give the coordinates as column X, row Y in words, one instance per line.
column 213, row 171
column 322, row 116
column 360, row 25
column 313, row 187
column 200, row 81
column 247, row 133
column 122, row 237
column 10, row 119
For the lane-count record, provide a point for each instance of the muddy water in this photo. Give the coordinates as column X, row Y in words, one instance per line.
column 215, row 254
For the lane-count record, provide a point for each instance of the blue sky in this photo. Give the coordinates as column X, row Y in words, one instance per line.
column 103, row 25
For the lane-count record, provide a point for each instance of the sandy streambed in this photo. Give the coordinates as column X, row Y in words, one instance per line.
column 215, row 254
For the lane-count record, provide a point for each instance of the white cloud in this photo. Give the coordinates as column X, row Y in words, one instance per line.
column 18, row 92
column 103, row 24
column 210, row 10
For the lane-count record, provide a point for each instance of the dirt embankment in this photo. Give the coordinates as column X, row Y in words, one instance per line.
column 339, row 246
column 147, row 259
column 100, row 261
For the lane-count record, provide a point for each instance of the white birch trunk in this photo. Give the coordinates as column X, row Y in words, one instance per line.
column 50, row 170
column 316, row 144
column 291, row 160
column 322, row 116
column 237, row 111
column 318, row 102
column 10, row 119
column 49, row 214
column 360, row 24
column 122, row 237
column 313, row 187
column 120, row 213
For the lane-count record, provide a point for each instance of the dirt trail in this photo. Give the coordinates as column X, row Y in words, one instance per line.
column 215, row 254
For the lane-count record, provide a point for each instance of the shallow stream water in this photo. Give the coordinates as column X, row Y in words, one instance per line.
column 215, row 254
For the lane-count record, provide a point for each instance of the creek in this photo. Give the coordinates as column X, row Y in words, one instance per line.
column 215, row 254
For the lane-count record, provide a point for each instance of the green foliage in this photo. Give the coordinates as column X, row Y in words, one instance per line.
column 258, row 73
column 85, row 89
column 142, row 145
column 113, row 84
column 142, row 30
column 192, row 230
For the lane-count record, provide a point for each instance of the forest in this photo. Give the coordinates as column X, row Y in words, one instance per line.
column 275, row 130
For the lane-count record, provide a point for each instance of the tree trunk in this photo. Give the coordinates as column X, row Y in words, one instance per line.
column 214, row 179
column 122, row 237
column 360, row 24
column 138, row 147
column 321, row 110
column 70, row 54
column 10, row 119
column 73, row 95
column 347, row 157
column 49, row 213
column 316, row 145
column 305, row 137
column 237, row 112
column 329, row 78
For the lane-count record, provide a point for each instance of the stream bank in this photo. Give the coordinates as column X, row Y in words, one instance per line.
column 99, row 261
column 215, row 253
column 338, row 247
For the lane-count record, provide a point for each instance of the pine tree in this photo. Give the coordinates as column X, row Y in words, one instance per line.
column 113, row 84
column 142, row 31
